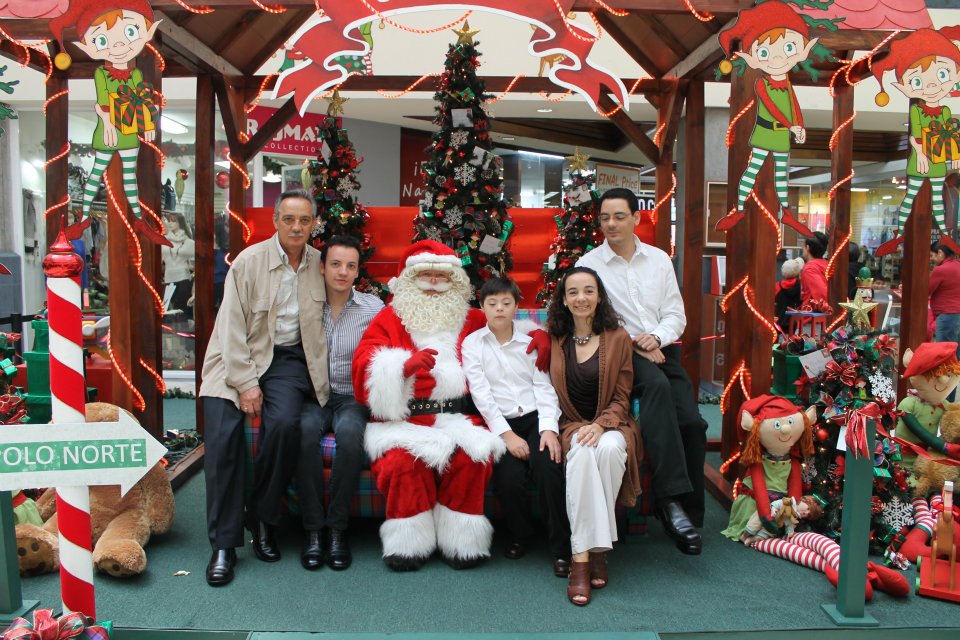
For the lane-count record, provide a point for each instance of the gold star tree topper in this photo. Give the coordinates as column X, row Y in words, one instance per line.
column 466, row 33
column 578, row 161
column 859, row 311
column 336, row 103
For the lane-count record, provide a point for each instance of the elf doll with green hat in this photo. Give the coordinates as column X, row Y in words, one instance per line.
column 114, row 31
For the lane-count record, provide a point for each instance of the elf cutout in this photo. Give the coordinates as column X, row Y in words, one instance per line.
column 115, row 31
column 926, row 65
column 773, row 39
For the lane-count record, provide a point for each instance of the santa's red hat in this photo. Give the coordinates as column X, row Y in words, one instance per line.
column 82, row 13
column 929, row 356
column 429, row 254
column 768, row 406
column 753, row 23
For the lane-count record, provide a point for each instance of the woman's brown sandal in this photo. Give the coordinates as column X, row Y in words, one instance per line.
column 598, row 570
column 578, row 590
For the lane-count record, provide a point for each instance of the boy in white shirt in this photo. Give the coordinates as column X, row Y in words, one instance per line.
column 519, row 404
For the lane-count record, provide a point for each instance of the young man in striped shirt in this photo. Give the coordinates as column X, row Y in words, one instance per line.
column 346, row 315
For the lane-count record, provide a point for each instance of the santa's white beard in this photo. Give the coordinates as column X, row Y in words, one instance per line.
column 422, row 313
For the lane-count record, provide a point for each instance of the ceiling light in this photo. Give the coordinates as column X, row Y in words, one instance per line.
column 169, row 125
column 859, row 189
column 544, row 110
column 37, row 163
column 272, row 177
column 508, row 138
column 885, row 197
column 222, row 163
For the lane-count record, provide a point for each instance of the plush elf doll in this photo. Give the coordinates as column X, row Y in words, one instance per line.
column 114, row 31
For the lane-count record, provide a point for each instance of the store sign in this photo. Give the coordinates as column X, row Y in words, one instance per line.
column 413, row 157
column 299, row 137
column 610, row 176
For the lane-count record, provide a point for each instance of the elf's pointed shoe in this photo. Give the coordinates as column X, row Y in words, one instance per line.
column 948, row 242
column 150, row 232
column 786, row 217
column 888, row 580
column 834, row 577
column 729, row 221
column 889, row 246
column 75, row 231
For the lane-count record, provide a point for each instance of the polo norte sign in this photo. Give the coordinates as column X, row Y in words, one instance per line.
column 77, row 454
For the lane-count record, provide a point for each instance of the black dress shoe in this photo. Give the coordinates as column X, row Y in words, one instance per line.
column 403, row 563
column 311, row 557
column 515, row 550
column 678, row 526
column 220, row 567
column 265, row 543
column 338, row 550
column 561, row 567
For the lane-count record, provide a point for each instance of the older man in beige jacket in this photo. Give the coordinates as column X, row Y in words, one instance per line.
column 267, row 355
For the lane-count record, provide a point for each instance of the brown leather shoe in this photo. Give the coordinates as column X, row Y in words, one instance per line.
column 598, row 570
column 578, row 590
column 561, row 567
column 515, row 550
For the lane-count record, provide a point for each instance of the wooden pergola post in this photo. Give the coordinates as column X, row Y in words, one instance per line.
column 203, row 313
column 124, row 314
column 915, row 277
column 56, row 135
column 668, row 123
column 693, row 232
column 841, row 164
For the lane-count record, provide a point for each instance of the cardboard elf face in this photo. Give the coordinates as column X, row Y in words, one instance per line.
column 120, row 43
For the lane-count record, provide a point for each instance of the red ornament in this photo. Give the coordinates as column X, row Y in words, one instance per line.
column 183, row 173
column 822, row 434
column 222, row 179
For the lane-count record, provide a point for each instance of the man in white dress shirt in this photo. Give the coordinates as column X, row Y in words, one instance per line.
column 519, row 404
column 642, row 286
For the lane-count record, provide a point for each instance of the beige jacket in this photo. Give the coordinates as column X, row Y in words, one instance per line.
column 241, row 345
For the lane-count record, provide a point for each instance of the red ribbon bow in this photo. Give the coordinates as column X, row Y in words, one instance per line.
column 45, row 627
column 857, row 428
column 940, row 508
column 845, row 373
column 139, row 98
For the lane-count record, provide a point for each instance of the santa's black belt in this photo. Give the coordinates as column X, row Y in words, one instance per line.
column 423, row 407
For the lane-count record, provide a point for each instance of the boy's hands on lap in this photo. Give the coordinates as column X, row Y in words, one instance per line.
column 516, row 445
column 549, row 440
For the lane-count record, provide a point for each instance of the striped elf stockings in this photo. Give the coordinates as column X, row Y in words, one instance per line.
column 913, row 188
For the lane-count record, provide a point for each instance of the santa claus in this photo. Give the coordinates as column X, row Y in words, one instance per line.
column 431, row 454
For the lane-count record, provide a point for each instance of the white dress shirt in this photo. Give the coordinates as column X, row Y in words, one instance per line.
column 643, row 291
column 505, row 382
column 287, row 302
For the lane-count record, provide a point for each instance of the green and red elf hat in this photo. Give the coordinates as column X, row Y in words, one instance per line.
column 905, row 52
column 752, row 23
column 82, row 13
column 769, row 406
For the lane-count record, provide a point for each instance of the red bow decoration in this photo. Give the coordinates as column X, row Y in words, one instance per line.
column 856, row 420
column 45, row 627
column 813, row 306
column 845, row 373
column 886, row 345
column 138, row 98
column 940, row 508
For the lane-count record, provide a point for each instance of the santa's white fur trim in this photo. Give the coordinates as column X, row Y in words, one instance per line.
column 413, row 537
column 426, row 261
column 447, row 373
column 476, row 442
column 388, row 391
column 431, row 446
column 461, row 535
column 525, row 326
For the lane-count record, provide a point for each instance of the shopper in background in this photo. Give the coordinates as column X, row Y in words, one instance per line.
column 813, row 277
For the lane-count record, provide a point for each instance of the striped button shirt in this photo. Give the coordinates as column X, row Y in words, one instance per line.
column 343, row 336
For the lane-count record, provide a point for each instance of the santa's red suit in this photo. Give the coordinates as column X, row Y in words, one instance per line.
column 432, row 465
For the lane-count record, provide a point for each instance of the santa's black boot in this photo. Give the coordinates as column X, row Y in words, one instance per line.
column 403, row 563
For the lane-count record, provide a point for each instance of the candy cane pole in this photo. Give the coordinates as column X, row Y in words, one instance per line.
column 62, row 267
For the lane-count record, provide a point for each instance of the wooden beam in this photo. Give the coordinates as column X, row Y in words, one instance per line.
column 677, row 93
column 192, row 48
column 616, row 31
column 269, row 129
column 704, row 57
column 56, row 136
column 841, row 166
column 551, row 135
column 634, row 133
column 232, row 108
column 276, row 41
column 666, row 36
column 239, row 27
column 231, row 112
column 149, row 338
column 693, row 232
column 915, row 278
column 15, row 52
column 203, row 307
column 124, row 334
column 668, row 118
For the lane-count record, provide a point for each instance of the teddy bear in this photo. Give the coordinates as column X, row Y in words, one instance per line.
column 930, row 474
column 120, row 526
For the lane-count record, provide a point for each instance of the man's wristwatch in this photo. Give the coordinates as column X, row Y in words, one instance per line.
column 657, row 338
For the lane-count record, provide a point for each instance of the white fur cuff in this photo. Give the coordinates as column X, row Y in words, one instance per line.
column 461, row 535
column 431, row 446
column 477, row 442
column 388, row 392
column 413, row 537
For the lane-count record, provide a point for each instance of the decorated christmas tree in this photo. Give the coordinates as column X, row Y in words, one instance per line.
column 577, row 228
column 463, row 204
column 858, row 376
column 335, row 187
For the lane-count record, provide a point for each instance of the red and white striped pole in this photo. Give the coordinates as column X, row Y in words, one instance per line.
column 63, row 267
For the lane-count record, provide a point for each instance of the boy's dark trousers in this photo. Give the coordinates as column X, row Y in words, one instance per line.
column 510, row 485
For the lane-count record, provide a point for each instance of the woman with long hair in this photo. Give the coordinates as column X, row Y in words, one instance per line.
column 592, row 371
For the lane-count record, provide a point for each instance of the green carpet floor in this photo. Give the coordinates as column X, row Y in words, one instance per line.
column 652, row 588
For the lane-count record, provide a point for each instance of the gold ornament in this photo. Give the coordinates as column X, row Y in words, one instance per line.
column 578, row 161
column 726, row 67
column 62, row 61
column 466, row 34
column 858, row 311
column 336, row 103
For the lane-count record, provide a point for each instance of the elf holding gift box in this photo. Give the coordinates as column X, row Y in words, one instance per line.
column 115, row 31
column 773, row 39
column 926, row 64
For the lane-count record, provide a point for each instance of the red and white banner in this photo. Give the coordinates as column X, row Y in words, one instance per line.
column 337, row 33
column 299, row 137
